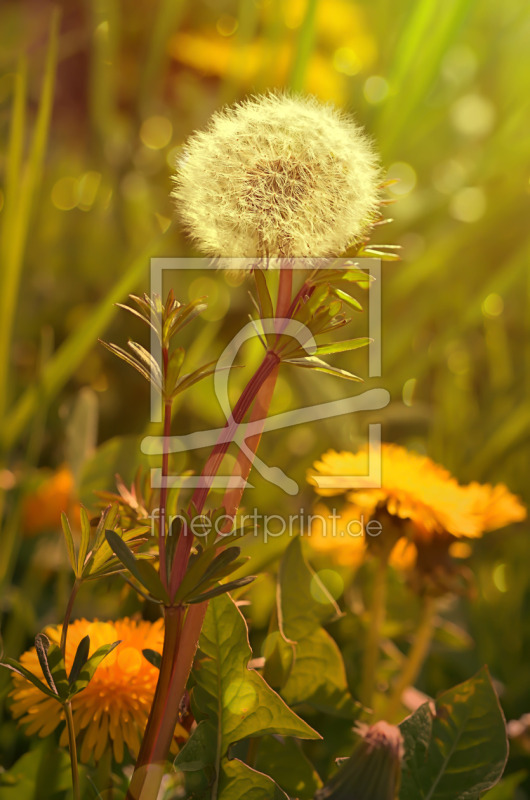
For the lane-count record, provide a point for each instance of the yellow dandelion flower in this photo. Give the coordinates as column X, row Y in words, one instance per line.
column 113, row 709
column 337, row 535
column 427, row 507
column 280, row 176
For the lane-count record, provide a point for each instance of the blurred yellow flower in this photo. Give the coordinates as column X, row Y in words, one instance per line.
column 429, row 508
column 113, row 709
column 343, row 48
column 42, row 508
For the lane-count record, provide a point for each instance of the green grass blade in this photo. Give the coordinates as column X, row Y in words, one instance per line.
column 72, row 352
column 304, row 49
column 22, row 185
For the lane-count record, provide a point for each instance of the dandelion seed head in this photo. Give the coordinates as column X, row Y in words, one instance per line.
column 280, row 176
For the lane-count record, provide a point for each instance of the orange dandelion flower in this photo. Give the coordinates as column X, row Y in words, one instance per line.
column 41, row 509
column 113, row 709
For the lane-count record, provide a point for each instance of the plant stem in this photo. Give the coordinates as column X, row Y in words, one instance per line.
column 68, row 614
column 73, row 750
column 373, row 638
column 163, row 491
column 178, row 655
column 267, row 366
column 415, row 659
column 161, row 724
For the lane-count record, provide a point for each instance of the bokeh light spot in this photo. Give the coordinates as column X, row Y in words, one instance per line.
column 156, row 132
column 87, row 189
column 499, row 577
column 226, row 25
column 216, row 294
column 331, row 580
column 448, row 176
column 129, row 660
column 346, row 61
column 409, row 387
column 468, row 204
column 405, row 176
column 473, row 115
column 240, row 697
column 65, row 194
column 460, row 64
column 493, row 305
column 375, row 89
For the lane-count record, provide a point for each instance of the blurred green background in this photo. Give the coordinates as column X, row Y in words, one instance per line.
column 96, row 98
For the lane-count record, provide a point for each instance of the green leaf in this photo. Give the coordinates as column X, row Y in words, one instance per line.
column 342, row 347
column 44, row 773
column 42, row 644
column 140, row 569
column 153, row 656
column 284, row 760
column 231, row 701
column 58, row 670
column 313, row 362
column 222, row 588
column 85, row 541
column 241, row 782
column 80, row 659
column 318, row 677
column 15, row 666
column 67, row 531
column 89, row 667
column 506, row 789
column 348, row 299
column 299, row 612
column 265, row 300
column 460, row 751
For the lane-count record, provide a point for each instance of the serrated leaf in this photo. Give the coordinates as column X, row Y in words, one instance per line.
column 342, row 347
column 318, row 677
column 153, row 656
column 231, row 701
column 90, row 667
column 460, row 751
column 241, row 782
column 299, row 612
column 80, row 659
column 284, row 760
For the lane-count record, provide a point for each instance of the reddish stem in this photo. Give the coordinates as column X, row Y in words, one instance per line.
column 165, row 474
column 267, row 366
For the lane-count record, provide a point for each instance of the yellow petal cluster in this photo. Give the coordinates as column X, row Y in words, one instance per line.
column 413, row 489
column 112, row 711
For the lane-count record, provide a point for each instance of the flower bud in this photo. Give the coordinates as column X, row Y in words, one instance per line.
column 373, row 771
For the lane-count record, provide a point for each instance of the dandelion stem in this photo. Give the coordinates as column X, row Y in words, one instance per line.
column 416, row 657
column 68, row 614
column 373, row 639
column 73, row 750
